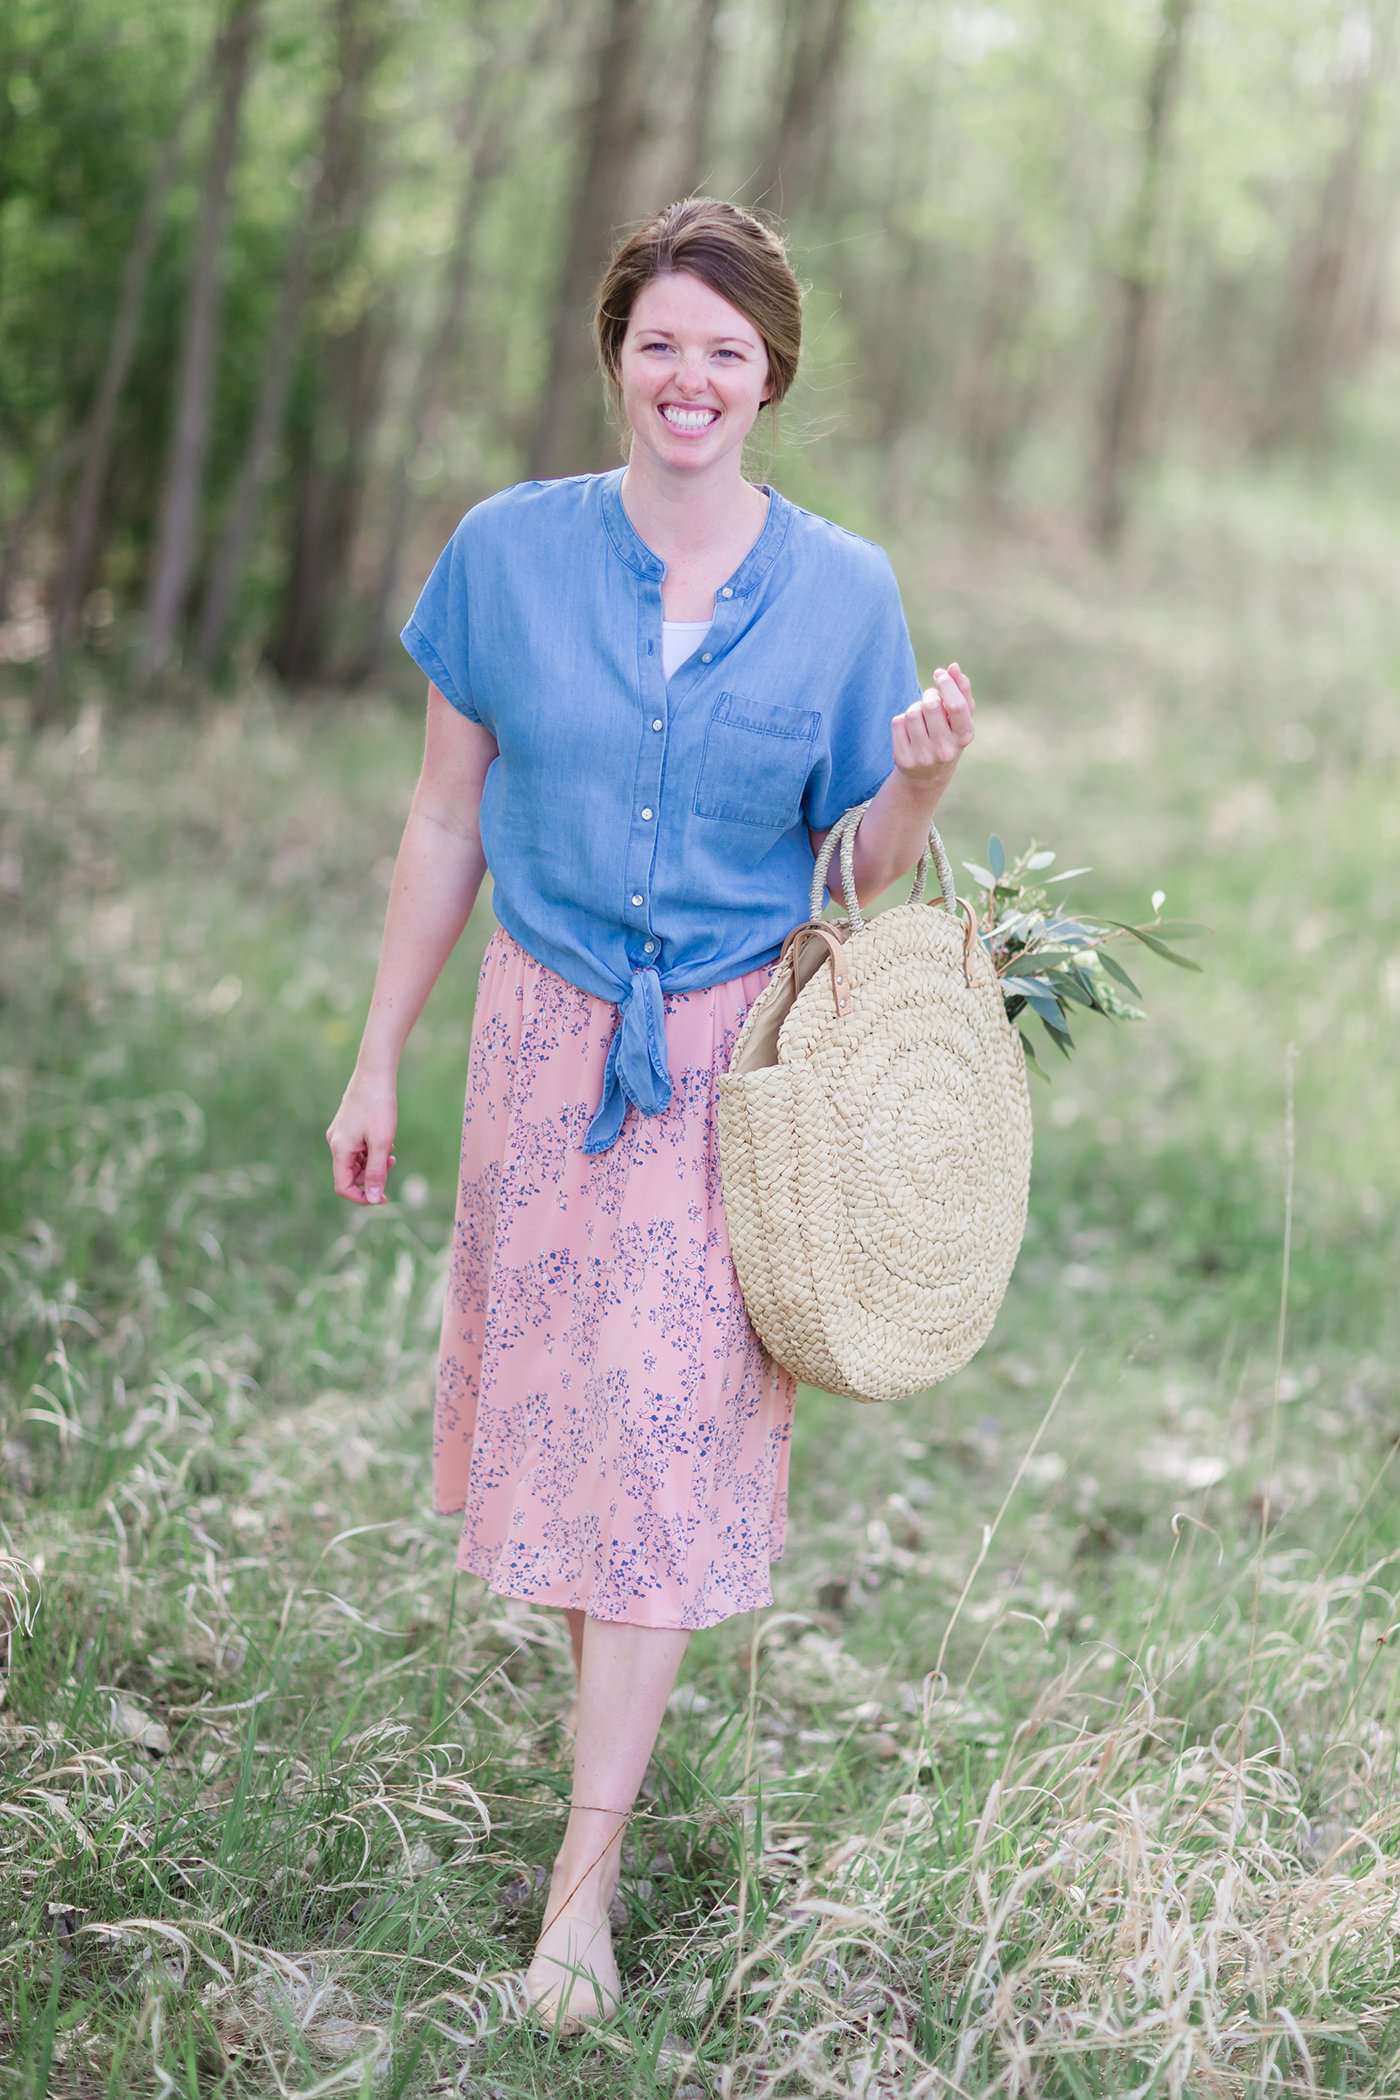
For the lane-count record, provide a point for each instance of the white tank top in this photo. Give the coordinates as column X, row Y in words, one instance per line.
column 678, row 640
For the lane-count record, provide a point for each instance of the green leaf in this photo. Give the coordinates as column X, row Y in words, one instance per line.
column 1034, row 960
column 1031, row 987
column 1177, row 929
column 1095, row 988
column 983, row 875
column 1041, row 859
column 1047, row 1006
column 1033, row 1064
column 1072, row 987
column 1065, row 874
column 996, row 856
column 1150, row 940
column 1115, row 969
column 1056, row 1030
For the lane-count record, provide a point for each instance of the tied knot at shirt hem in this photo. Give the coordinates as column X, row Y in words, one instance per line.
column 636, row 1069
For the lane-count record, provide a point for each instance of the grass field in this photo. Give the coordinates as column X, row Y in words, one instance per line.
column 1065, row 1762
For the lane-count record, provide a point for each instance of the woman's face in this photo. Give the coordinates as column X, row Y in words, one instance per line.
column 686, row 346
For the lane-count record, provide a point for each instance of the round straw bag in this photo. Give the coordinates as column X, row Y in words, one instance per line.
column 875, row 1140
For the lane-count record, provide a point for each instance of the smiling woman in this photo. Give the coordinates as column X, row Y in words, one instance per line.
column 677, row 677
column 687, row 361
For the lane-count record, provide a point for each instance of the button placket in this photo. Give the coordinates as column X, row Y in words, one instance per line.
column 658, row 690
column 656, row 702
column 637, row 1070
column 647, row 806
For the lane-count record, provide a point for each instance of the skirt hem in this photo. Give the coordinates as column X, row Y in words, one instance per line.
column 555, row 1602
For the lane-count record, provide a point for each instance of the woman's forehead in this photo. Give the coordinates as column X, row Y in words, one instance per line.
column 679, row 303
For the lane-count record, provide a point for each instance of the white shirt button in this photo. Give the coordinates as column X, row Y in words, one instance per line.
column 646, row 812
column 657, row 723
column 727, row 592
column 636, row 896
column 706, row 657
column 648, row 945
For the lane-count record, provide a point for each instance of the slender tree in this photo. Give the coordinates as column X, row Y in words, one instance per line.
column 278, row 364
column 1327, row 277
column 568, row 432
column 796, row 157
column 183, row 493
column 95, row 439
column 345, row 346
column 1138, row 284
column 482, row 137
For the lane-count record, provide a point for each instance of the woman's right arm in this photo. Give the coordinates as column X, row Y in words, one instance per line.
column 437, row 874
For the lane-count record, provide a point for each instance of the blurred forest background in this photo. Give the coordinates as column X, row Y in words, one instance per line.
column 1065, row 1764
column 286, row 284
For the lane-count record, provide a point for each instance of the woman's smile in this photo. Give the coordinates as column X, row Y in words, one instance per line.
column 687, row 422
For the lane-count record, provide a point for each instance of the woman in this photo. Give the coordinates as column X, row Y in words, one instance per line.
column 652, row 690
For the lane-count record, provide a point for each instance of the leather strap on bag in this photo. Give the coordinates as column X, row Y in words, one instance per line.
column 788, row 953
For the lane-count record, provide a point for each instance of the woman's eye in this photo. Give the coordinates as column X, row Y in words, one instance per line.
column 666, row 346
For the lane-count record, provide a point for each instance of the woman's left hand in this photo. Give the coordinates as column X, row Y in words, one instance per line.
column 931, row 735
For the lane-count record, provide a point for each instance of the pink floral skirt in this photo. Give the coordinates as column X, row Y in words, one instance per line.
column 606, row 1419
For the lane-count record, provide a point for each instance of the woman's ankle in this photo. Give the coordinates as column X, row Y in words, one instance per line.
column 585, row 1881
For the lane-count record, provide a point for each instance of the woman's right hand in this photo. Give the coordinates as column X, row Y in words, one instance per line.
column 360, row 1135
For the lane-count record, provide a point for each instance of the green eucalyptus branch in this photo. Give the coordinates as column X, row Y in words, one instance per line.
column 1048, row 960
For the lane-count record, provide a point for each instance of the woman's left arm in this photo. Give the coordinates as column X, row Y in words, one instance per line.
column 926, row 741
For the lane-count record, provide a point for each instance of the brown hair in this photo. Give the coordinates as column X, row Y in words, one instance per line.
column 732, row 250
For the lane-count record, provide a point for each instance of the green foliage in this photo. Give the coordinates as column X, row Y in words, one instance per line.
column 976, row 220
column 1047, row 959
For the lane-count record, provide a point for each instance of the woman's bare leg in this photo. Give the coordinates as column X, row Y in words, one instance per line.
column 575, row 1619
column 626, row 1677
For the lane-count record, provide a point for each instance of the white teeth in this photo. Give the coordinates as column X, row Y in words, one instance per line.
column 690, row 418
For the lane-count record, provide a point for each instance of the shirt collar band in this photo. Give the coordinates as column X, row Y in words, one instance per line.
column 631, row 548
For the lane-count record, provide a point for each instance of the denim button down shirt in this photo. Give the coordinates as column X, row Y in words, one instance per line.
column 645, row 834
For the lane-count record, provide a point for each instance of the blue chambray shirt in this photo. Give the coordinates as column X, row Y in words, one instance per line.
column 643, row 834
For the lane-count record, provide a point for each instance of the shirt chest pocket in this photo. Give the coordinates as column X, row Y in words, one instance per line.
column 755, row 762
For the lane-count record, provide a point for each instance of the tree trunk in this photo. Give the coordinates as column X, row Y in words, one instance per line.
column 482, row 141
column 1326, row 281
column 795, row 163
column 1138, row 287
column 329, row 447
column 1006, row 379
column 279, row 361
column 183, row 492
column 675, row 159
column 332, row 454
column 569, row 434
column 96, row 437
column 690, row 167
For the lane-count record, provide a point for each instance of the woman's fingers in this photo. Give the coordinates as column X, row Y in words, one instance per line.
column 922, row 733
column 376, row 1170
column 351, row 1167
column 957, row 706
column 951, row 692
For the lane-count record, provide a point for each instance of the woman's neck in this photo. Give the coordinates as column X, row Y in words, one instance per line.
column 687, row 521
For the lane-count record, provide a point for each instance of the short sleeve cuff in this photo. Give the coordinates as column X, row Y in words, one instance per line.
column 431, row 664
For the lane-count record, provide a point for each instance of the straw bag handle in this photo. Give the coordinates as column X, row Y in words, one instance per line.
column 844, row 831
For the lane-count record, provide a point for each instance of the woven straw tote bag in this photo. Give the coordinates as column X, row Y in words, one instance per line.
column 874, row 1125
